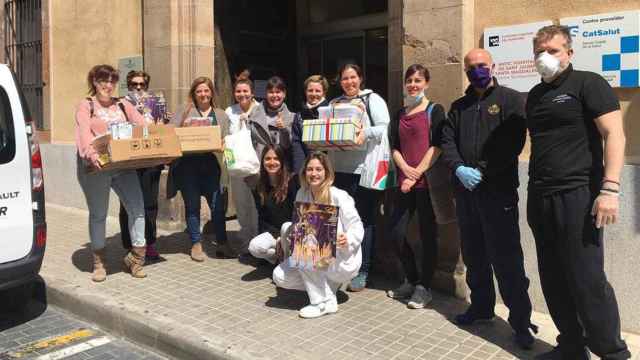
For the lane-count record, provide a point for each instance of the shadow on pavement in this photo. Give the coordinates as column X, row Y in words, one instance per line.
column 176, row 243
column 22, row 304
column 498, row 332
column 288, row 299
column 261, row 272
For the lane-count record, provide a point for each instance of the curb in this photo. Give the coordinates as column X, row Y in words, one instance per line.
column 120, row 319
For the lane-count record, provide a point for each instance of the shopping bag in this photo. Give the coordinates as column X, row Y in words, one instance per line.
column 378, row 170
column 239, row 155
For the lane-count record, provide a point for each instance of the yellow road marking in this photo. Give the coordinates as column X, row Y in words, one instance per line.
column 50, row 343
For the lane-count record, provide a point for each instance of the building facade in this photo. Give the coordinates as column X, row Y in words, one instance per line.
column 179, row 40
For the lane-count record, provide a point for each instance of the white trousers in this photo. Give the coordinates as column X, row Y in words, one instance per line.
column 245, row 212
column 319, row 285
column 263, row 246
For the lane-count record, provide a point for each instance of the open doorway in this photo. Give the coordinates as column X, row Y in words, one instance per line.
column 297, row 38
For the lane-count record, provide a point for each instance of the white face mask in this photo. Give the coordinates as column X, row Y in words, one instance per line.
column 413, row 100
column 548, row 66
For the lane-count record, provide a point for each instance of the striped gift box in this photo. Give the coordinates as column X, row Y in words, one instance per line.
column 331, row 133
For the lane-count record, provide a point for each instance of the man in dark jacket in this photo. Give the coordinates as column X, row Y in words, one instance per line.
column 481, row 141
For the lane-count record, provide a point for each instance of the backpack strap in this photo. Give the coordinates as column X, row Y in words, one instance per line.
column 121, row 106
column 91, row 109
column 428, row 110
column 365, row 100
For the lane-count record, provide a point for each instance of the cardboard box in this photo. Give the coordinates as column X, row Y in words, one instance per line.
column 199, row 139
column 150, row 146
column 334, row 133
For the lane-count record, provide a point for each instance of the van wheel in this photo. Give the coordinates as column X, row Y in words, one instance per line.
column 19, row 297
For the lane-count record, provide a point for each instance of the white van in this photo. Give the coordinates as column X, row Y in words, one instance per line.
column 23, row 230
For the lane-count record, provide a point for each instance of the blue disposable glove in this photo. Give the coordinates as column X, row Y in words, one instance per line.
column 469, row 177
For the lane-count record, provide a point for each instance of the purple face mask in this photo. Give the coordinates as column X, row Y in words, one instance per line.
column 479, row 77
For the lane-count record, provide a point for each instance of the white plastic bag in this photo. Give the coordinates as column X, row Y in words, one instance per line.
column 377, row 172
column 239, row 155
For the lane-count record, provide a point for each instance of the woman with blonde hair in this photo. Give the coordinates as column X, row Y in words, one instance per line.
column 315, row 92
column 198, row 175
column 316, row 179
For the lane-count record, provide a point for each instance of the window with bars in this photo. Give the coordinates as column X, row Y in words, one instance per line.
column 23, row 50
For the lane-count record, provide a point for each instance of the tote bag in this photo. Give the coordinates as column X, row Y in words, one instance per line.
column 378, row 170
column 239, row 155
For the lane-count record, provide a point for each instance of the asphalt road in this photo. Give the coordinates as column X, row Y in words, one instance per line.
column 35, row 330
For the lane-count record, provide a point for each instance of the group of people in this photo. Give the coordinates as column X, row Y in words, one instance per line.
column 574, row 185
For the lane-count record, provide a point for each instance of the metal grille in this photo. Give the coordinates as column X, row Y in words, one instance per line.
column 23, row 50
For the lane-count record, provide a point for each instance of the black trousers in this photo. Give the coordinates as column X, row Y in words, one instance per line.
column 367, row 203
column 490, row 237
column 571, row 264
column 404, row 207
column 150, row 185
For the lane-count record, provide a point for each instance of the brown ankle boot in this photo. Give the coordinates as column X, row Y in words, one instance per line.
column 99, row 272
column 134, row 261
column 196, row 252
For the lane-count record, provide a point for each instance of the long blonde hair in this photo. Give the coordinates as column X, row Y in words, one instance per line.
column 329, row 176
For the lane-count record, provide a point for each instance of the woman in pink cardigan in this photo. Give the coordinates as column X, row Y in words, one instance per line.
column 94, row 117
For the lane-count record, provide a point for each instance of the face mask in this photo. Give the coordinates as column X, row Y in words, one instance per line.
column 413, row 100
column 548, row 66
column 479, row 77
column 137, row 94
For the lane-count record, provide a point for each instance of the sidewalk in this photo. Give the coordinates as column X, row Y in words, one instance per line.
column 226, row 310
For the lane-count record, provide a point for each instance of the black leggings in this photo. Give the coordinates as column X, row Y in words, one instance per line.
column 150, row 183
column 404, row 206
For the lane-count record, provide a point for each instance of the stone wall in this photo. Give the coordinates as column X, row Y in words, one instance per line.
column 83, row 34
column 178, row 45
column 435, row 34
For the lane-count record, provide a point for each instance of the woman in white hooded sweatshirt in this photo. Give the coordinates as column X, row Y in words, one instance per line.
column 349, row 164
column 316, row 180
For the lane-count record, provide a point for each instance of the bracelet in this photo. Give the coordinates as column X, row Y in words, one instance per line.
column 610, row 190
column 605, row 180
column 610, row 193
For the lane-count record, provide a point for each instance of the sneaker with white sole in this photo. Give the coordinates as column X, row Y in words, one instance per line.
column 421, row 297
column 332, row 305
column 402, row 292
column 312, row 311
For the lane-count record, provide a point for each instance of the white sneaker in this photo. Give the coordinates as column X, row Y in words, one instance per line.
column 332, row 305
column 314, row 311
column 404, row 291
column 421, row 297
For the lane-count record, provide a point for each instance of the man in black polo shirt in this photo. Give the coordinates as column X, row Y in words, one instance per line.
column 481, row 140
column 572, row 196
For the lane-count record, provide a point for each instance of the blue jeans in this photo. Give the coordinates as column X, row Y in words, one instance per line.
column 200, row 176
column 367, row 203
column 96, row 187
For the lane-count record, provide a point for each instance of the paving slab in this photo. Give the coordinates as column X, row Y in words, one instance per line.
column 222, row 309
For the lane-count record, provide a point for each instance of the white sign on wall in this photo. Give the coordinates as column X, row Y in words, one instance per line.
column 608, row 44
column 124, row 66
column 512, row 50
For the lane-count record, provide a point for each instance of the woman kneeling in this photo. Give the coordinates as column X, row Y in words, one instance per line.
column 316, row 180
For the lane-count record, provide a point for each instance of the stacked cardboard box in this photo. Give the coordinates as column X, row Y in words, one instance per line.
column 199, row 139
column 148, row 146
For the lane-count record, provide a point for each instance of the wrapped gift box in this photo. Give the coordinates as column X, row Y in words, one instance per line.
column 332, row 133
